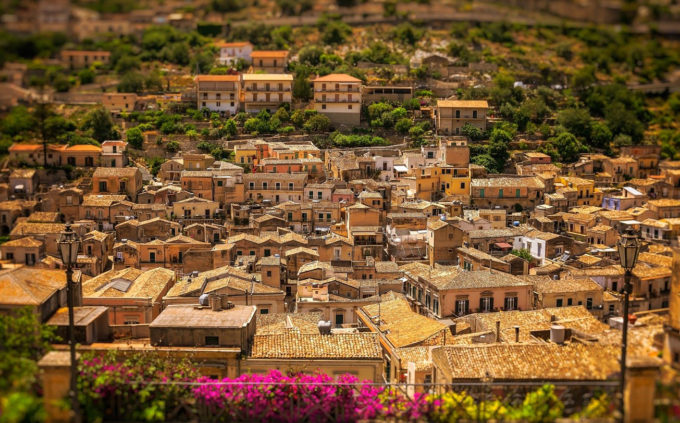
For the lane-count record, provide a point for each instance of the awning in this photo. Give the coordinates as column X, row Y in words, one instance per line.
column 400, row 168
column 503, row 245
column 630, row 222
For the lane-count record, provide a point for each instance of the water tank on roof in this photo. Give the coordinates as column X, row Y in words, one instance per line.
column 515, row 223
column 557, row 334
column 442, row 217
column 324, row 327
column 203, row 299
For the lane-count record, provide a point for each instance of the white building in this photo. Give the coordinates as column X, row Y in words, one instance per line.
column 266, row 91
column 218, row 93
column 338, row 96
column 231, row 52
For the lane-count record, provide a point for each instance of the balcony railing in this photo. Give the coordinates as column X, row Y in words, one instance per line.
column 333, row 100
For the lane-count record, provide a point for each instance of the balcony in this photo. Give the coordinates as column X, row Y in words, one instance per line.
column 333, row 100
column 265, row 90
column 332, row 90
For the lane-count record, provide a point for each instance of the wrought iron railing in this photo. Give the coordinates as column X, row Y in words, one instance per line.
column 536, row 401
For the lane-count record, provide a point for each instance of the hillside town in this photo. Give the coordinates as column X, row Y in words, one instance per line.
column 247, row 201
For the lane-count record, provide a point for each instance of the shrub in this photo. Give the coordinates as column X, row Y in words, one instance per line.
column 317, row 123
column 172, row 146
column 135, row 137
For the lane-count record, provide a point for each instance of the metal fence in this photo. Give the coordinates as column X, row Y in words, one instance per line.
column 465, row 402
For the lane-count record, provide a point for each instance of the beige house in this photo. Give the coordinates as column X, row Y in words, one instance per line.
column 266, row 91
column 117, row 180
column 119, row 102
column 452, row 291
column 270, row 61
column 133, row 296
column 76, row 59
column 338, row 96
column 241, row 288
column 452, row 115
column 27, row 251
column 567, row 292
column 195, row 208
column 218, row 93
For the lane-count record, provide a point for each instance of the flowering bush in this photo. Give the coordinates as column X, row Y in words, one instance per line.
column 149, row 388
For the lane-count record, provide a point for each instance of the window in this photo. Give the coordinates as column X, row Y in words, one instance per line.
column 589, row 303
column 486, row 304
column 311, row 195
column 339, row 319
column 615, row 286
column 264, row 311
column 474, row 114
column 9, row 256
column 267, row 253
column 517, row 191
column 500, row 193
column 462, row 307
column 269, row 273
column 481, row 193
column 510, row 303
column 462, row 185
column 558, row 302
column 569, row 301
column 212, row 340
column 457, row 114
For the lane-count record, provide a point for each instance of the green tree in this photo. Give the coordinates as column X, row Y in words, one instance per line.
column 403, row 125
column 472, row 132
column 335, row 32
column 568, row 147
column 172, row 146
column 576, row 121
column 24, row 340
column 302, row 90
column 99, row 124
column 131, row 82
column 230, row 129
column 487, row 162
column 192, row 134
column 86, row 76
column 523, row 253
column 583, row 78
column 61, row 83
column 600, row 135
column 317, row 123
column 499, row 142
column 227, row 5
column 406, row 33
column 135, row 137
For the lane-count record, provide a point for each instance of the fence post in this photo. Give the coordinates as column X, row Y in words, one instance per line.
column 55, row 376
column 641, row 378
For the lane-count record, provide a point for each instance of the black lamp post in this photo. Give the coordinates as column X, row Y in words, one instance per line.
column 629, row 248
column 69, row 244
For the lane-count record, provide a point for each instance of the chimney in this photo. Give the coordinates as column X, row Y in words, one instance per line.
column 498, row 331
column 215, row 303
column 516, row 333
column 452, row 328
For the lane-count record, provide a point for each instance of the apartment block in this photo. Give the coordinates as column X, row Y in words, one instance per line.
column 452, row 115
column 338, row 96
column 219, row 93
column 76, row 59
column 270, row 61
column 266, row 91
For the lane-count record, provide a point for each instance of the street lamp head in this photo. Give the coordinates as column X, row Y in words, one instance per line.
column 629, row 248
column 69, row 244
